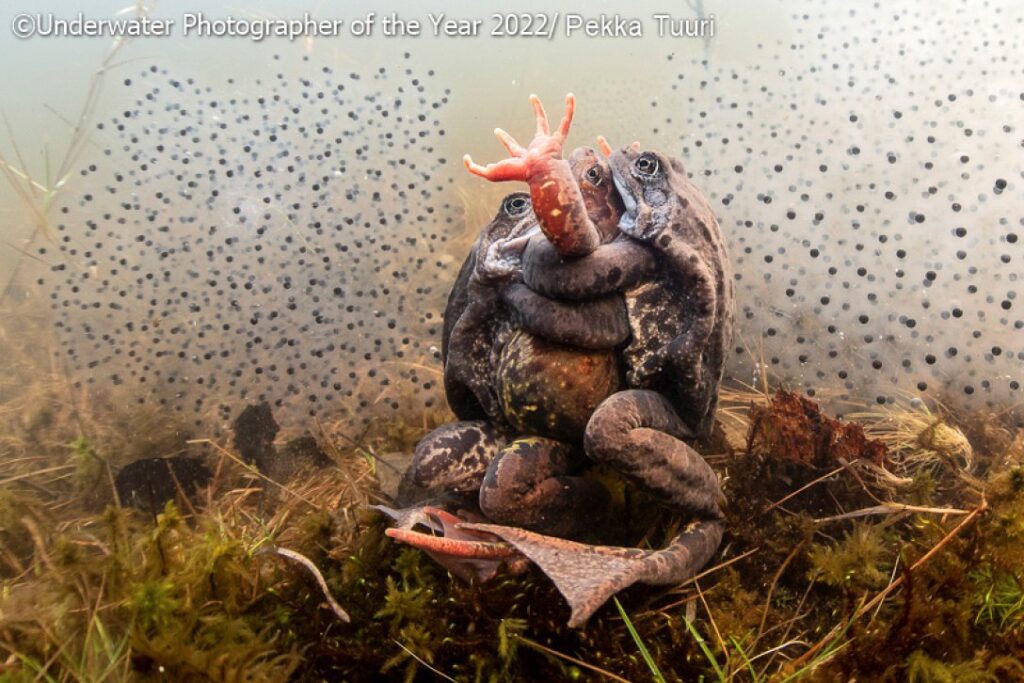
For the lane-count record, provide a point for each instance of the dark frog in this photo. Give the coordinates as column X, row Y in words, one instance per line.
column 601, row 341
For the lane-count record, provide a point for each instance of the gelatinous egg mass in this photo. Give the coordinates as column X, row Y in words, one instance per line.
column 868, row 174
column 294, row 240
column 280, row 246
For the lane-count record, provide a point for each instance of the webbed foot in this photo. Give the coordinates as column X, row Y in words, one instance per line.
column 525, row 162
column 473, row 556
column 588, row 575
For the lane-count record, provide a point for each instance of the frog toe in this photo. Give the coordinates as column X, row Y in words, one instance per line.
column 450, row 546
column 506, row 169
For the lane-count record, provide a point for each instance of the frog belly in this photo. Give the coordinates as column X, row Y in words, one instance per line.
column 548, row 389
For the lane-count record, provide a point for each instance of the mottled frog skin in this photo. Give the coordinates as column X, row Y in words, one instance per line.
column 680, row 355
column 604, row 339
column 521, row 359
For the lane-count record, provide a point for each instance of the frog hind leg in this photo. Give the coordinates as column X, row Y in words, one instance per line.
column 531, row 484
column 473, row 556
column 638, row 433
column 588, row 575
column 453, row 458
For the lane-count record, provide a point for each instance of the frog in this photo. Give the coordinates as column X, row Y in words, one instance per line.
column 490, row 348
column 630, row 228
column 493, row 327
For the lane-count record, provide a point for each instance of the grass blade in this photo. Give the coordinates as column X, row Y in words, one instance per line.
column 746, row 659
column 644, row 652
column 704, row 648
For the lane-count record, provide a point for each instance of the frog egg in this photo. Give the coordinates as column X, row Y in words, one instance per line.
column 294, row 238
column 278, row 240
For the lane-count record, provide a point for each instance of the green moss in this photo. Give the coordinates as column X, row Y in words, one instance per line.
column 998, row 597
column 153, row 603
column 186, row 596
column 856, row 563
column 920, row 668
column 404, row 604
column 88, row 466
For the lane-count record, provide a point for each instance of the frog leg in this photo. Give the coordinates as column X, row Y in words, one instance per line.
column 452, row 458
column 555, row 194
column 467, row 367
column 527, row 484
column 473, row 556
column 613, row 267
column 530, row 484
column 638, row 433
column 695, row 355
column 596, row 324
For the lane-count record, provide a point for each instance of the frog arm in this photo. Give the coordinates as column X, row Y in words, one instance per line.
column 458, row 299
column 682, row 364
column 612, row 267
column 596, row 324
column 467, row 382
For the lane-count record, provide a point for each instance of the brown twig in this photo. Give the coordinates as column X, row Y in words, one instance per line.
column 891, row 509
column 706, row 572
column 252, row 470
column 789, row 624
column 312, row 569
column 711, row 618
column 561, row 655
column 775, row 582
column 804, row 488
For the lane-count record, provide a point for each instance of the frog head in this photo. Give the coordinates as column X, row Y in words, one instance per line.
column 647, row 182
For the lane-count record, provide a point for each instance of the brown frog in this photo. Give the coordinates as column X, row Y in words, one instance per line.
column 632, row 231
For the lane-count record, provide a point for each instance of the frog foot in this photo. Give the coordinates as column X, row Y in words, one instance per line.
column 527, row 162
column 473, row 556
column 588, row 575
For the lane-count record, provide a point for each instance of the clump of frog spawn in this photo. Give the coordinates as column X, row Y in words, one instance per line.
column 903, row 565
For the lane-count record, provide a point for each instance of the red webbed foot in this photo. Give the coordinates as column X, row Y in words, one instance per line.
column 469, row 554
column 525, row 162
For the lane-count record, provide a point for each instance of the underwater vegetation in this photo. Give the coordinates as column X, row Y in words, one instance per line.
column 895, row 553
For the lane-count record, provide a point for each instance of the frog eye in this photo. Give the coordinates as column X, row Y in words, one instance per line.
column 515, row 205
column 647, row 165
column 594, row 175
